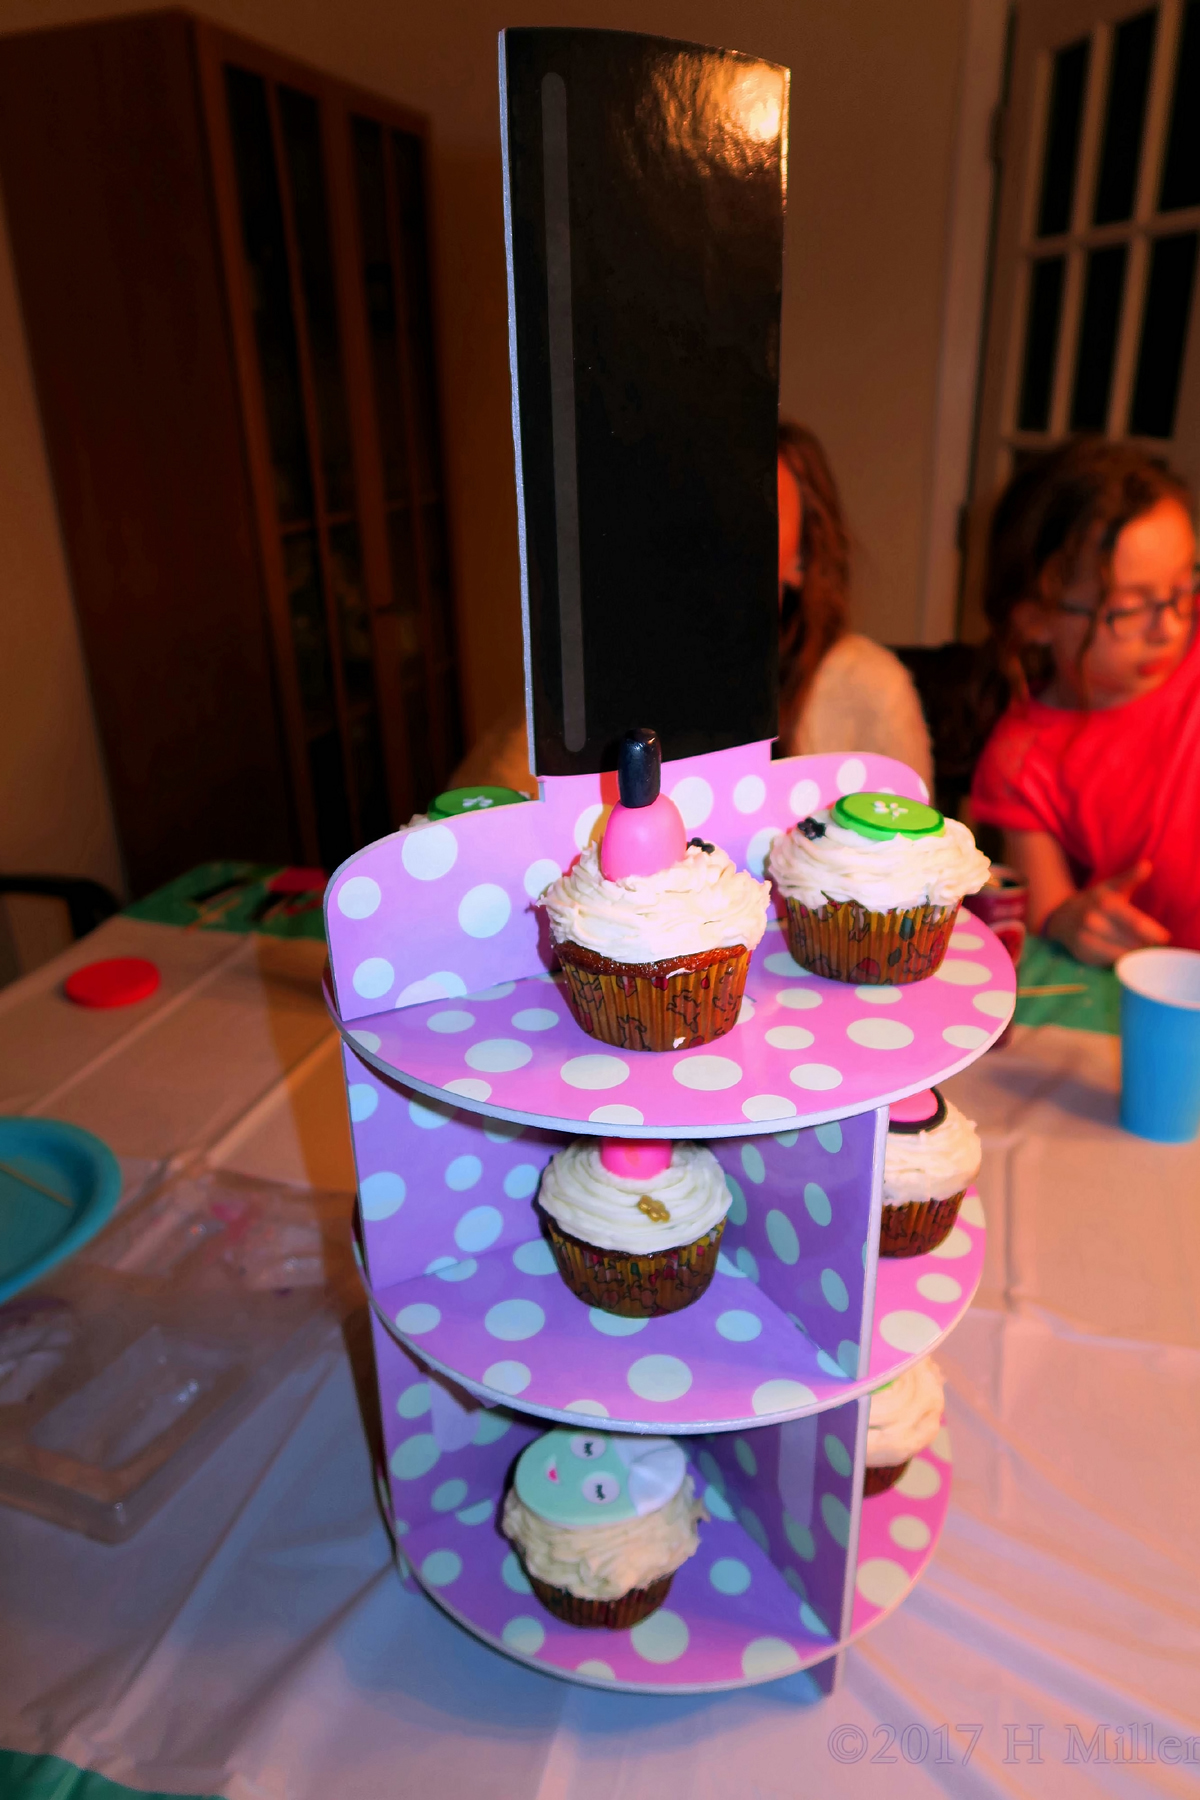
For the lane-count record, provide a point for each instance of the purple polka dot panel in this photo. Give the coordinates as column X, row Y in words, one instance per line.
column 791, row 1563
column 460, row 1271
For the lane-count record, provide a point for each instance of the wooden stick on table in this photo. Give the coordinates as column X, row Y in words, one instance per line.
column 38, row 1188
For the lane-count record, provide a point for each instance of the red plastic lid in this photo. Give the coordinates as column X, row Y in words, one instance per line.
column 298, row 881
column 118, row 981
column 916, row 1109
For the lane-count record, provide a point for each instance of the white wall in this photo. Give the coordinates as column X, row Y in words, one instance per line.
column 875, row 118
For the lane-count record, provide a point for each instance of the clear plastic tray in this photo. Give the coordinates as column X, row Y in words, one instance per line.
column 125, row 1369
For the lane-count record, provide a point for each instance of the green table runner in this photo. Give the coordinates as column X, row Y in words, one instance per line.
column 1054, row 989
column 233, row 896
column 50, row 1778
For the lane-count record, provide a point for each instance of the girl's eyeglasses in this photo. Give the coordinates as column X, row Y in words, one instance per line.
column 1144, row 611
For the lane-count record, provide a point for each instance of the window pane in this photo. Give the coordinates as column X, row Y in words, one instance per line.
column 306, row 174
column 270, row 290
column 1062, row 138
column 407, row 159
column 1041, row 343
column 1181, row 165
column 1164, row 336
column 1125, row 115
column 1102, row 294
column 382, row 325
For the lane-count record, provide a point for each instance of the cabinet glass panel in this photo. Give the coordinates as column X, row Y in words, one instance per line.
column 383, row 324
column 358, row 674
column 301, row 130
column 270, row 292
column 335, row 833
column 413, row 234
column 310, row 634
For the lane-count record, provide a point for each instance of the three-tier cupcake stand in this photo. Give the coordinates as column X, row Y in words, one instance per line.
column 465, row 1072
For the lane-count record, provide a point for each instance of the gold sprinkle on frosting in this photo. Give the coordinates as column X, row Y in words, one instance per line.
column 654, row 1210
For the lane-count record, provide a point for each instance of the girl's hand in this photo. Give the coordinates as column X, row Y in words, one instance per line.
column 1100, row 923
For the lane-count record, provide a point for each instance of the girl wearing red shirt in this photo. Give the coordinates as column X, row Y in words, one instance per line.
column 1093, row 773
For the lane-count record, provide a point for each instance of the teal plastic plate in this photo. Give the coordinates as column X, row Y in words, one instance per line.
column 39, row 1157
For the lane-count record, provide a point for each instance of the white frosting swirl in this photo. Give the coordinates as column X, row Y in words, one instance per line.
column 605, row 1562
column 602, row 1209
column 905, row 1415
column 881, row 874
column 700, row 903
column 931, row 1165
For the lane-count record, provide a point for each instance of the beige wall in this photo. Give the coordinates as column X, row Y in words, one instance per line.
column 874, row 108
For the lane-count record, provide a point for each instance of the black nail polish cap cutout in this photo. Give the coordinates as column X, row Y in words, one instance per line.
column 913, row 1127
column 639, row 767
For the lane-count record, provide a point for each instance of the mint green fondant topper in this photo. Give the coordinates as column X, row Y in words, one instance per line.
column 887, row 816
column 581, row 1478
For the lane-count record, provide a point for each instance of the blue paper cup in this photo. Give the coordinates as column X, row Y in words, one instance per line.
column 1160, row 1044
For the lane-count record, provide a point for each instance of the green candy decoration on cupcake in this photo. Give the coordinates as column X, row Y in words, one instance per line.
column 884, row 816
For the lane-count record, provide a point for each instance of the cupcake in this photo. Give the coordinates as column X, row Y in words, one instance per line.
column 601, row 1524
column 905, row 1417
column 933, row 1155
column 654, row 931
column 635, row 1227
column 872, row 887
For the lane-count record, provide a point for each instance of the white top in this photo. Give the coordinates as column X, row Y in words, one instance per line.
column 861, row 698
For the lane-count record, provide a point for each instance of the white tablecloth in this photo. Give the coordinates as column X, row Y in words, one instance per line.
column 256, row 1641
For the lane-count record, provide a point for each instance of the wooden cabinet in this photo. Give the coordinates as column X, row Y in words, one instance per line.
column 224, row 268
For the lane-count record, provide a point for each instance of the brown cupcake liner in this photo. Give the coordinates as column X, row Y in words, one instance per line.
column 611, row 1615
column 878, row 1481
column 845, row 942
column 632, row 1285
column 674, row 1004
column 918, row 1226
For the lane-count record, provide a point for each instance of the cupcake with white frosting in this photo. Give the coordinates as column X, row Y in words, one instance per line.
column 659, row 961
column 654, row 931
column 635, row 1227
column 602, row 1523
column 906, row 1415
column 933, row 1155
column 872, row 887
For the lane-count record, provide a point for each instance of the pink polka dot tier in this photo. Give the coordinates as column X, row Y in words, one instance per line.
column 803, row 1051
